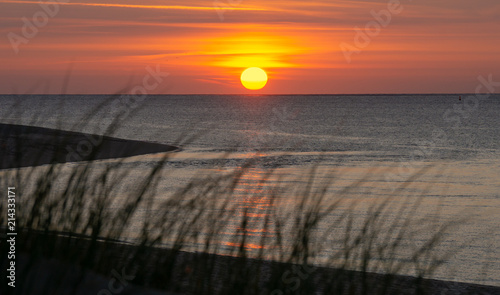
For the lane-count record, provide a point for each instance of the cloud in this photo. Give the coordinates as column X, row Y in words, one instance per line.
column 291, row 37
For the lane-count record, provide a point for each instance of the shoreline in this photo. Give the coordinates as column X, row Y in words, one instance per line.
column 29, row 146
column 185, row 266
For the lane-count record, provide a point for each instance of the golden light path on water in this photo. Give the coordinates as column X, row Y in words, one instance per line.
column 440, row 191
column 443, row 194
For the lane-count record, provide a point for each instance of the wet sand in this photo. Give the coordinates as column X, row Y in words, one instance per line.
column 22, row 146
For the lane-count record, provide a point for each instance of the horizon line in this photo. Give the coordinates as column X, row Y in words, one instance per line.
column 258, row 94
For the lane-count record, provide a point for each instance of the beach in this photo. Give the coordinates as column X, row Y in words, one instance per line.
column 25, row 146
column 348, row 141
column 250, row 147
column 170, row 272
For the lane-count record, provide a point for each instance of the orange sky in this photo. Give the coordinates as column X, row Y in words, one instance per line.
column 428, row 46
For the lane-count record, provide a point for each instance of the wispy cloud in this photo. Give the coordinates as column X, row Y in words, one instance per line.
column 120, row 5
column 296, row 41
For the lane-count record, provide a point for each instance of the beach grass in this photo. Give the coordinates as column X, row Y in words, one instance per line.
column 97, row 216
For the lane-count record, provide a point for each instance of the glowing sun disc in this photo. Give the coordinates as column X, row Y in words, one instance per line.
column 254, row 78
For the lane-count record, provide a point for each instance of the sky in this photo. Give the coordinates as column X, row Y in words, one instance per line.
column 202, row 47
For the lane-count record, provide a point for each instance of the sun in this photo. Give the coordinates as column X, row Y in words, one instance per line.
column 254, row 78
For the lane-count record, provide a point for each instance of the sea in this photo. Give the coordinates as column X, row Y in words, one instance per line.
column 434, row 158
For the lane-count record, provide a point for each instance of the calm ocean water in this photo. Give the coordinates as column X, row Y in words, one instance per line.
column 392, row 125
column 384, row 136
